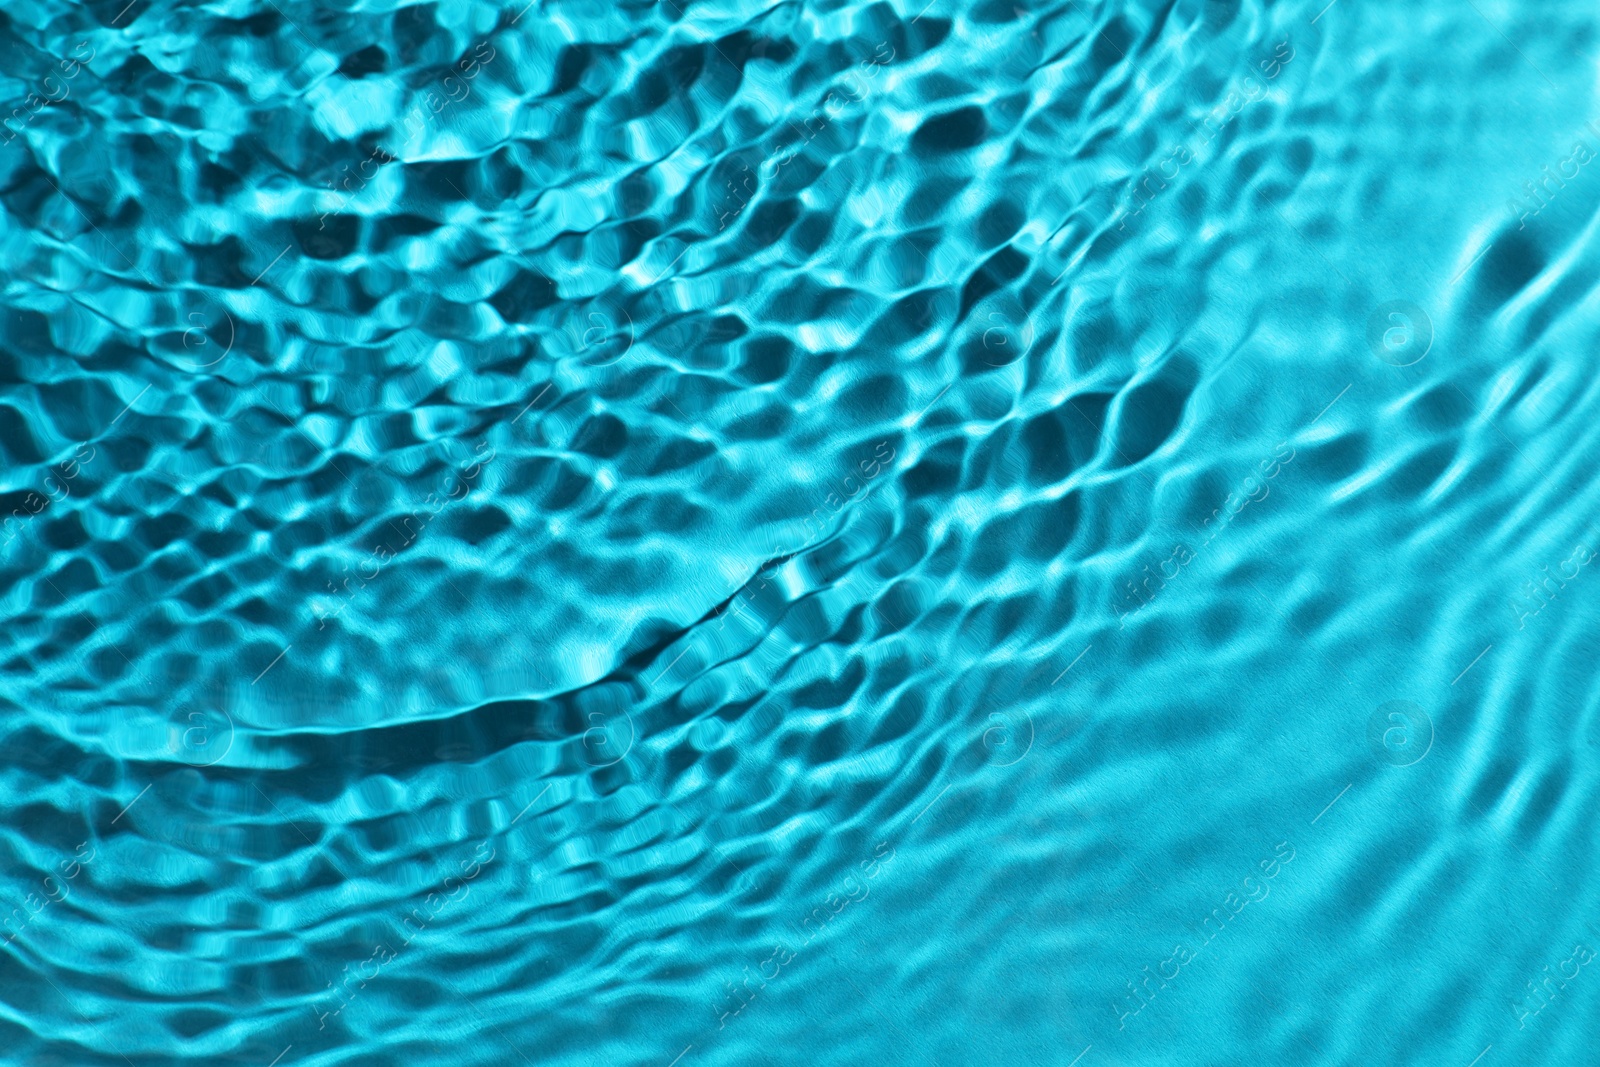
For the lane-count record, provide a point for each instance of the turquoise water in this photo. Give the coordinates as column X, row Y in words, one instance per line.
column 824, row 533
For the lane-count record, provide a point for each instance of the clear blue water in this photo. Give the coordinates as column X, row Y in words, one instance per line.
column 826, row 533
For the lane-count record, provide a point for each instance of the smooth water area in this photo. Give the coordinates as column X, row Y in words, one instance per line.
column 809, row 533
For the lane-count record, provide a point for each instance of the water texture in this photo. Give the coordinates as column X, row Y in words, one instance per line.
column 821, row 533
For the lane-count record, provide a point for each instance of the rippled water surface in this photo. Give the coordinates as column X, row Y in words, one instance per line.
column 824, row 533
